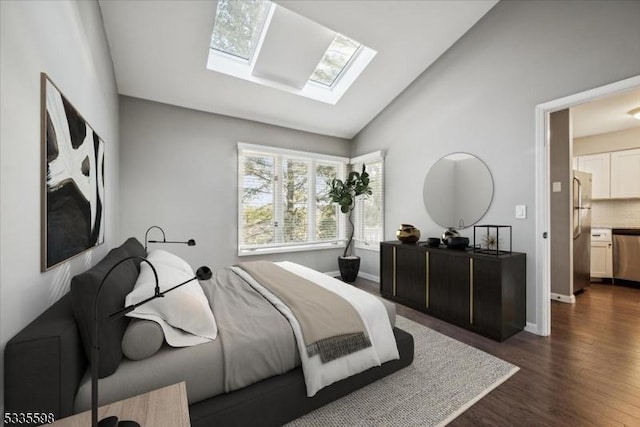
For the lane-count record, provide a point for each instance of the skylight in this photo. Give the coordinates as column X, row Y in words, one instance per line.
column 335, row 60
column 238, row 26
column 265, row 43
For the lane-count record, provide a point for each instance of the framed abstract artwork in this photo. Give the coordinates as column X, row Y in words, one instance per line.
column 73, row 190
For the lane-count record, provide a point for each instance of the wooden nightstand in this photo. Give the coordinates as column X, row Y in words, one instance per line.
column 165, row 406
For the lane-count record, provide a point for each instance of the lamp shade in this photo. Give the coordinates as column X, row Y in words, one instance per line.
column 204, row 273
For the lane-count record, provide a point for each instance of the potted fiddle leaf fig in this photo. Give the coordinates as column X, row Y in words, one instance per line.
column 344, row 193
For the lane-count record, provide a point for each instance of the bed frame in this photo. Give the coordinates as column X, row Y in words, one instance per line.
column 45, row 362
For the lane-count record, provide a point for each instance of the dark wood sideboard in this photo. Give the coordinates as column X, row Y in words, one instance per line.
column 480, row 292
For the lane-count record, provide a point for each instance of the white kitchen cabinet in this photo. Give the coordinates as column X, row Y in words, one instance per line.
column 625, row 173
column 601, row 253
column 601, row 260
column 598, row 165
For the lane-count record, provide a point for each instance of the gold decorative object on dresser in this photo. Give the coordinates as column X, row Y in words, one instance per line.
column 480, row 292
column 164, row 407
column 407, row 233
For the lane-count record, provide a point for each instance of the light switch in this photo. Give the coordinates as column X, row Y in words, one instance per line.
column 521, row 211
column 557, row 187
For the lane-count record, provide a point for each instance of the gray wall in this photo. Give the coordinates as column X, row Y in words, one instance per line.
column 480, row 96
column 66, row 40
column 179, row 171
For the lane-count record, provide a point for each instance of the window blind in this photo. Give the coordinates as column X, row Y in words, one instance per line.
column 282, row 201
column 369, row 211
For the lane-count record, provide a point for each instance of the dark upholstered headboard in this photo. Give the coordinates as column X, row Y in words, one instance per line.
column 44, row 363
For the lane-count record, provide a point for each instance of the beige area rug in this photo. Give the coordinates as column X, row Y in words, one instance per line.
column 445, row 379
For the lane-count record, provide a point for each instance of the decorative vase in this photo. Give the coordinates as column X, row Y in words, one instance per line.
column 349, row 267
column 407, row 233
column 433, row 242
column 457, row 242
column 449, row 232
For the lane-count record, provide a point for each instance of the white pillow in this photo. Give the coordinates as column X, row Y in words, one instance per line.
column 167, row 258
column 184, row 313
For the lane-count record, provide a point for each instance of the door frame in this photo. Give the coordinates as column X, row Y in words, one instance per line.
column 543, row 191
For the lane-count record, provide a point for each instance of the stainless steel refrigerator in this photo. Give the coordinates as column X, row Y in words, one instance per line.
column 581, row 223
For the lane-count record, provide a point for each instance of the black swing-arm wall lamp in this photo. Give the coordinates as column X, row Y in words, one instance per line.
column 189, row 242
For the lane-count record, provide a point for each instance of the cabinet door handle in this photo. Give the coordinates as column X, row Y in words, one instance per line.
column 471, row 291
column 394, row 271
column 426, row 278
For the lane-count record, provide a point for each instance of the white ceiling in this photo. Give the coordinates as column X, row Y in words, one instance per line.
column 160, row 48
column 606, row 114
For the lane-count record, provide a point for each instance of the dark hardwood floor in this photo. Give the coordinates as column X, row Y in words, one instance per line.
column 587, row 373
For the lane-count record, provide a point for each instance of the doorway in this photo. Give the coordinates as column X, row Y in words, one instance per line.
column 543, row 191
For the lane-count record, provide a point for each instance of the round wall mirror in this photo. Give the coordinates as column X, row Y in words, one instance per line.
column 458, row 190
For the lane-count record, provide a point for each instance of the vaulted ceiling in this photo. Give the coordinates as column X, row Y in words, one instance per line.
column 160, row 49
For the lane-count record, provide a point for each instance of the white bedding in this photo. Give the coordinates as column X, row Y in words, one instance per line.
column 374, row 315
column 184, row 314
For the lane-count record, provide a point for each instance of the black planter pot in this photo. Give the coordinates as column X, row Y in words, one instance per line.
column 349, row 268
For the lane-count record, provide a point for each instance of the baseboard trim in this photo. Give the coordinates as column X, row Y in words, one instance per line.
column 567, row 299
column 369, row 276
column 532, row 327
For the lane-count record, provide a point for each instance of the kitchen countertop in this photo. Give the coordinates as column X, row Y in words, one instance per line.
column 627, row 230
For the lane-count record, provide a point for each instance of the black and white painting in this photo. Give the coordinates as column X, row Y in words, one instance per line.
column 73, row 176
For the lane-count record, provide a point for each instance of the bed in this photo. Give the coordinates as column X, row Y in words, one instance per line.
column 46, row 363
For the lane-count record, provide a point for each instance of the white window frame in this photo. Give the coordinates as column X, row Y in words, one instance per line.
column 374, row 157
column 281, row 247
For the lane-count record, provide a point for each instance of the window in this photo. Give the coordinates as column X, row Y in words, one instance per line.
column 369, row 211
column 250, row 38
column 281, row 200
column 238, row 27
column 335, row 60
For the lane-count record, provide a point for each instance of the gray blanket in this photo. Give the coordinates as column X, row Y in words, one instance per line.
column 257, row 340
